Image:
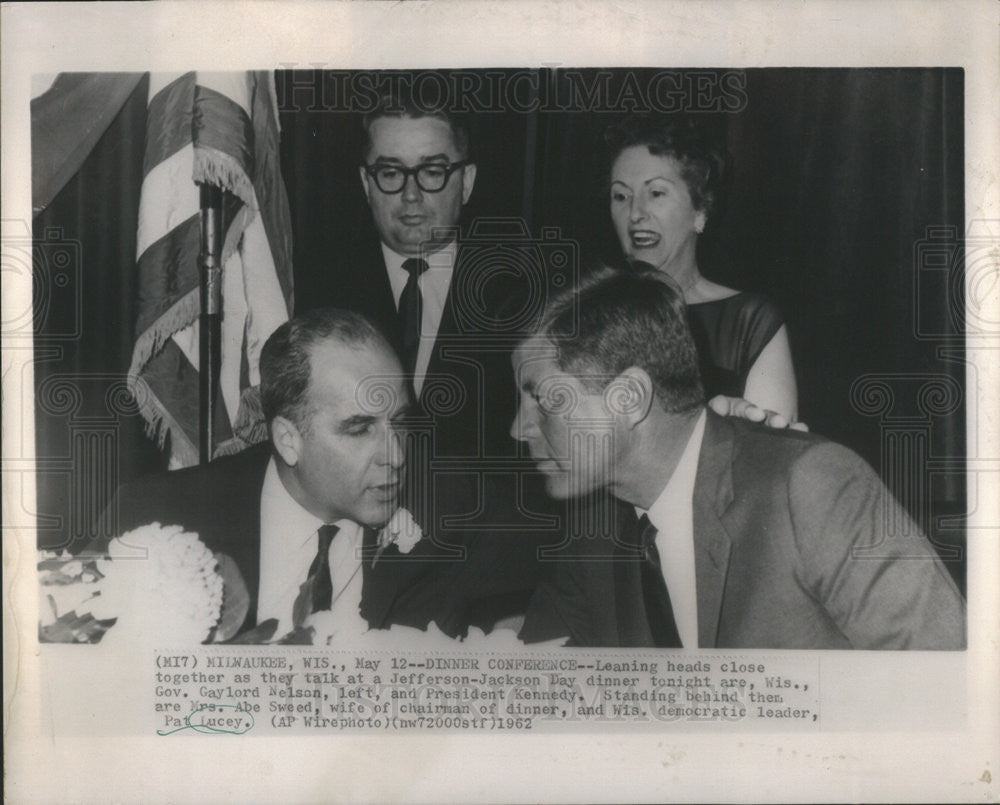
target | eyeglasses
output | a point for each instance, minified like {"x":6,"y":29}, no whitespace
{"x":431,"y":177}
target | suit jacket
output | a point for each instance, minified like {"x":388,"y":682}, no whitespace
{"x":792,"y":550}
{"x":221,"y":502}
{"x":469,"y":392}
{"x":489,"y":519}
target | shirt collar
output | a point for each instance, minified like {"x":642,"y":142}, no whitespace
{"x":441,"y":260}
{"x":282,"y":508}
{"x":678,"y":494}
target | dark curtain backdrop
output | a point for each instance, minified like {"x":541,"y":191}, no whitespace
{"x":844,"y":182}
{"x":88,"y":436}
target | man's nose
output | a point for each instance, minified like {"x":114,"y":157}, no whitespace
{"x":411,"y":190}
{"x":523,"y":427}
{"x":395,"y":454}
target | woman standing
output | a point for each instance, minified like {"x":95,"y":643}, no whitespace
{"x":665,"y":181}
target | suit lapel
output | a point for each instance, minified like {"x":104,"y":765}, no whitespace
{"x":365,"y":288}
{"x":376,"y":594}
{"x":448,"y":326}
{"x":381,"y":303}
{"x":384,"y":579}
{"x":713,"y":492}
{"x":252,"y":526}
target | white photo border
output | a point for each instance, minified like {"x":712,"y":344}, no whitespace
{"x":946,"y":765}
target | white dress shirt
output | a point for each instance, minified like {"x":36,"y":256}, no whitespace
{"x":433,"y":284}
{"x":289,"y":541}
{"x":673,"y":515}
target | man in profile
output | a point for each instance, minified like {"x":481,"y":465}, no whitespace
{"x":300,"y":513}
{"x":728,"y":534}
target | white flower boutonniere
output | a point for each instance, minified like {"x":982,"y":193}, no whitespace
{"x":402,"y":531}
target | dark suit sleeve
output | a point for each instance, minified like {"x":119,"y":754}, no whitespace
{"x":559,"y":608}
{"x":409,"y":590}
{"x":492,"y":559}
{"x":865,"y":560}
{"x":426,"y":600}
{"x":135,"y":504}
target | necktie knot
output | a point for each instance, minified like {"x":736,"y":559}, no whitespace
{"x":326,"y":535}
{"x":414,"y":266}
{"x":647,"y":538}
{"x":647,"y":531}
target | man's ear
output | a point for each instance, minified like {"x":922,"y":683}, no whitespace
{"x":630,"y":396}
{"x":468,"y":181}
{"x":364,"y":181}
{"x":287,"y":440}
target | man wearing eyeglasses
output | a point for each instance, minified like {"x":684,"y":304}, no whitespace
{"x":417,"y":177}
{"x":442,"y":306}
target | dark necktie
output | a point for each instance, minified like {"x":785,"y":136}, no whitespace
{"x":659,"y":612}
{"x":410,"y":311}
{"x":320,"y":581}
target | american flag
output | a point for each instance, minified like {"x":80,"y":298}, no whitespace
{"x":219,"y":128}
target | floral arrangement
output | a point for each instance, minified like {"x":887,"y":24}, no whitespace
{"x":162,"y":583}
{"x":157,"y":582}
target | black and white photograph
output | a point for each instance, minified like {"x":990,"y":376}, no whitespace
{"x":637,"y":395}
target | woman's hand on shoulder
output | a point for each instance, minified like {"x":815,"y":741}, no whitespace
{"x":744,"y":409}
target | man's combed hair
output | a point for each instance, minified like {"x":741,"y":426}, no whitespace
{"x":402,"y":103}
{"x":704,"y":162}
{"x":616,"y":319}
{"x":285,"y":358}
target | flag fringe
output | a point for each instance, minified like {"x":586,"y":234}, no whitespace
{"x":159,"y":421}
{"x":249,"y":428}
{"x":182,"y":313}
{"x":250,"y":425}
{"x":160,"y":424}
{"x":218,"y":168}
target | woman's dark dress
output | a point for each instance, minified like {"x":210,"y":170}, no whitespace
{"x":730,"y":334}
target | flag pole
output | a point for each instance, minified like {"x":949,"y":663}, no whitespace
{"x":210,"y":320}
